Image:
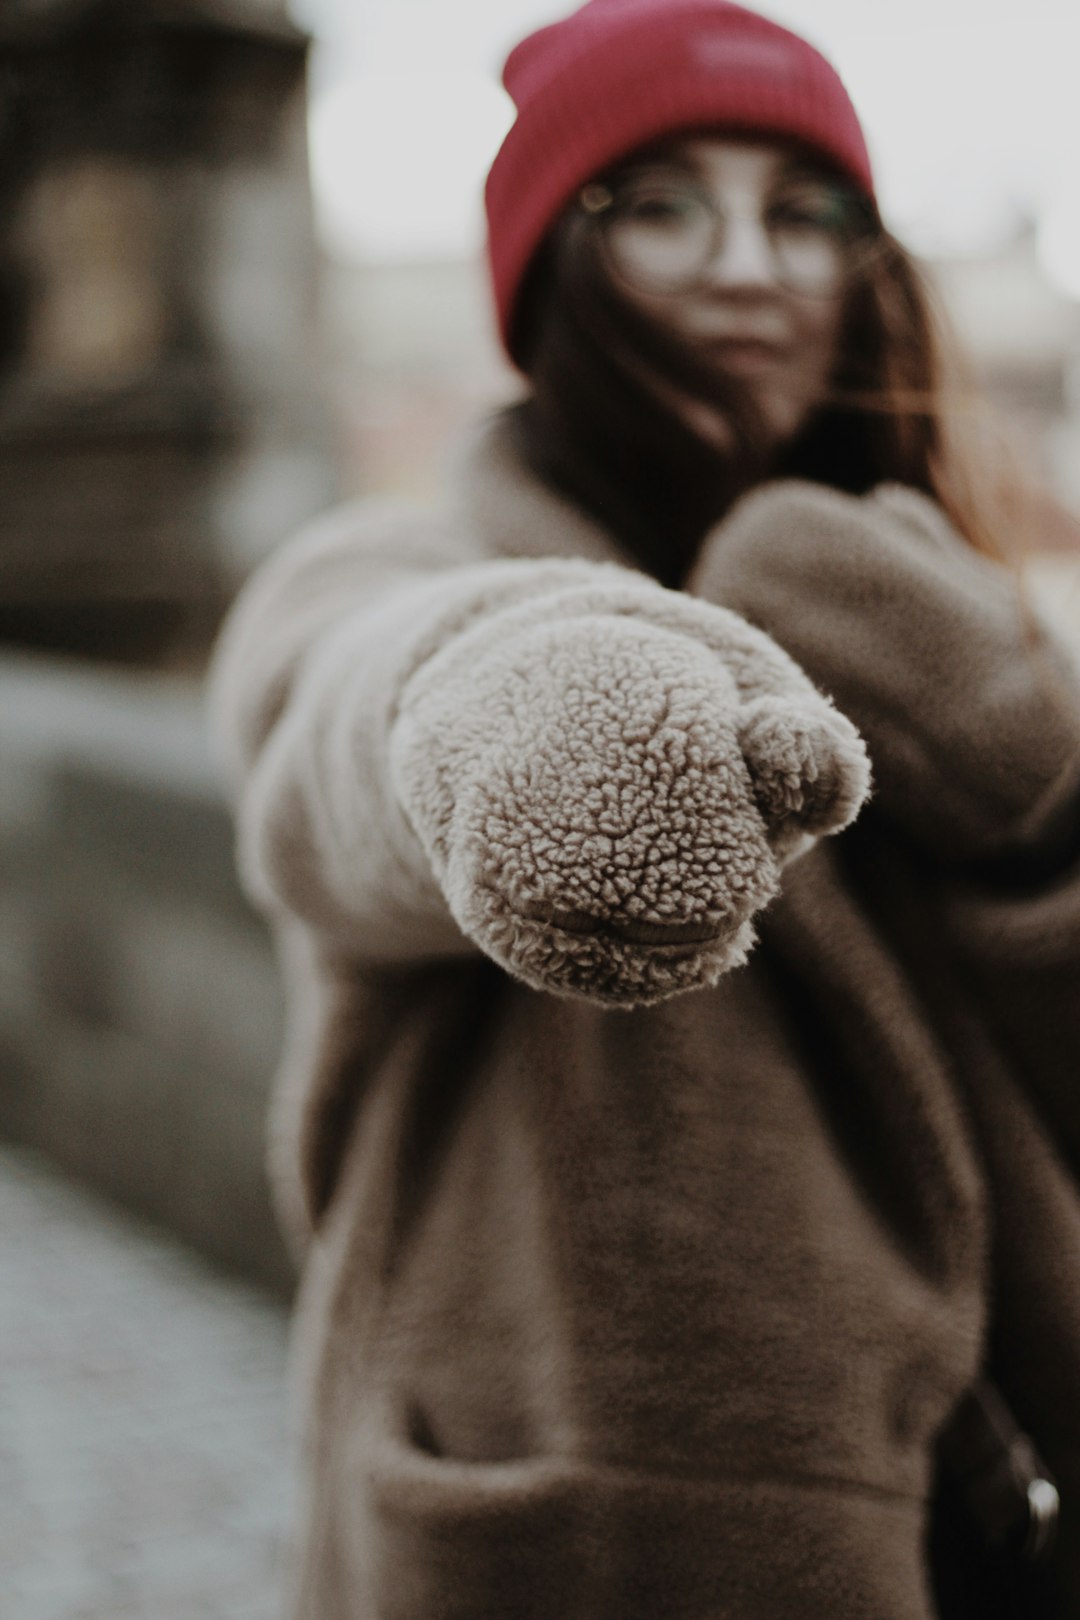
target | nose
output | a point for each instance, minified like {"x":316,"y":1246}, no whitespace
{"x":744,"y":256}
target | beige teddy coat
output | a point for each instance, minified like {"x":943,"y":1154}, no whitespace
{"x":664,"y":1168}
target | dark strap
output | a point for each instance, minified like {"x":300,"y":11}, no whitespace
{"x":1008,"y":1489}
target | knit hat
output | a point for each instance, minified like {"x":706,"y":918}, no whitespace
{"x":619,"y":73}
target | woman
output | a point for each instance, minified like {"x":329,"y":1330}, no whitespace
{"x":671,"y":1174}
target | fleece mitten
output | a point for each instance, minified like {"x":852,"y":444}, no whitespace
{"x":594,"y":780}
{"x":970,"y":710}
{"x":607,"y":778}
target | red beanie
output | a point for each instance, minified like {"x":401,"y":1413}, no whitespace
{"x":619,"y":73}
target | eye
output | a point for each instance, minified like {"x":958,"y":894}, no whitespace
{"x":813,"y":207}
{"x":658,"y":205}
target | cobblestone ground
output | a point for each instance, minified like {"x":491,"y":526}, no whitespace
{"x":143,"y":1462}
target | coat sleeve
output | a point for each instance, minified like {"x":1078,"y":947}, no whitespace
{"x":590,"y":778}
{"x":970,"y":709}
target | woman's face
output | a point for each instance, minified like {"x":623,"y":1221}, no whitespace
{"x":762,"y":309}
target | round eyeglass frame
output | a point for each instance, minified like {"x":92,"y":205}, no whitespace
{"x":598,"y":199}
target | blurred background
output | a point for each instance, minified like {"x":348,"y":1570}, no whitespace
{"x":241,"y":278}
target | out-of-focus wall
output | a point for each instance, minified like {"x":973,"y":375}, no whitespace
{"x":140,"y":1014}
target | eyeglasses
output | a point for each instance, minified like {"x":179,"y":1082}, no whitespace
{"x":662,"y":235}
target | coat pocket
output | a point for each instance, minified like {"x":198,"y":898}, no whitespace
{"x":459,"y":1540}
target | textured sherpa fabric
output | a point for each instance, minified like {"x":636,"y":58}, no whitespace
{"x":654,"y":1306}
{"x":605,"y":778}
{"x":927,"y":645}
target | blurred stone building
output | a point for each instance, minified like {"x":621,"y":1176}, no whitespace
{"x":161,"y":422}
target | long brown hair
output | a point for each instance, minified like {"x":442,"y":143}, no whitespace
{"x":902,"y":407}
{"x":926,"y":422}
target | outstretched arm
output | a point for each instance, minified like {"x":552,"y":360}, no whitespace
{"x":592,"y":779}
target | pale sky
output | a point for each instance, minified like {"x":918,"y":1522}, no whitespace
{"x":971,"y":108}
